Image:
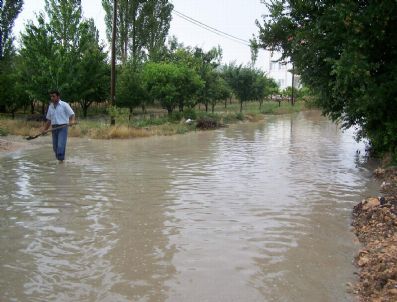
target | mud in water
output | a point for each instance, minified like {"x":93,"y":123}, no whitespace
{"x":253,"y":212}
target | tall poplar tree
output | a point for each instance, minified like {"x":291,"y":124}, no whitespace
{"x":9,"y":10}
{"x":142,"y":27}
{"x":65,"y":19}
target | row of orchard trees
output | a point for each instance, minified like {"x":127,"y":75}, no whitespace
{"x":185,"y":77}
{"x":61,"y":49}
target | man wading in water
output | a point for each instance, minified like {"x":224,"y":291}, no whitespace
{"x":61,"y":115}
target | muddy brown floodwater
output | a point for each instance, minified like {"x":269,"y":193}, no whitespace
{"x":253,"y":212}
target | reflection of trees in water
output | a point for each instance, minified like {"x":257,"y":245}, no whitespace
{"x":307,"y":256}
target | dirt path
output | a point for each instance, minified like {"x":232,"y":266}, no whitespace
{"x":375,"y":225}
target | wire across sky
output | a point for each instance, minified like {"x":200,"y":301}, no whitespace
{"x":211,"y":29}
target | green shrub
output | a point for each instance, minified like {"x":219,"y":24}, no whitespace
{"x":240,"y":116}
{"x":3,"y":132}
{"x":190,"y":113}
{"x":175,"y":116}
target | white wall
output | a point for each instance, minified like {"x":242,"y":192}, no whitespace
{"x":279,"y":71}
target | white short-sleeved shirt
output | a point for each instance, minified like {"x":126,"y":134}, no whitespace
{"x":60,"y":113}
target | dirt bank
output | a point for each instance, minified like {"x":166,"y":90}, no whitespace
{"x":375,"y":225}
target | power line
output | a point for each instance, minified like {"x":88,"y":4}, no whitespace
{"x":211,"y":29}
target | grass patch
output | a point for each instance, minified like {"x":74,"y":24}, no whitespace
{"x":19,"y":127}
{"x":155,"y":122}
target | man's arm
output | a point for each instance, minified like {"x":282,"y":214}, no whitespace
{"x":46,"y":125}
{"x":72,"y":120}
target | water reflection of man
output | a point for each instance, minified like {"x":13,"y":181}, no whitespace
{"x":59,"y":115}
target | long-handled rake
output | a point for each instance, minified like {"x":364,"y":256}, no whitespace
{"x":49,"y":130}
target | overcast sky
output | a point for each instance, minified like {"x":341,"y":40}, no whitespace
{"x":234,"y":17}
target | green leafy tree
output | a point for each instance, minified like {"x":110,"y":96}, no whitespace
{"x":64,"y":53}
{"x":38,"y":52}
{"x":205,"y":65}
{"x":242,"y":80}
{"x":170,"y":83}
{"x":9,"y":10}
{"x":189,"y":85}
{"x":157,"y":25}
{"x":65,"y":26}
{"x":131,"y":91}
{"x":142,"y":27}
{"x":201,"y":62}
{"x":12,"y":93}
{"x":93,"y":73}
{"x":345,"y":52}
{"x":219,"y":90}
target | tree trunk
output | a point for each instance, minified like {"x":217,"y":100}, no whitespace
{"x":32,"y":107}
{"x":241,"y":106}
{"x":85,"y":110}
{"x":130,"y":115}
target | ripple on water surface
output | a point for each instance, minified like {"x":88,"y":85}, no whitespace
{"x":253,"y":212}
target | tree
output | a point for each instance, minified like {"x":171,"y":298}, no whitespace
{"x":201,"y":62}
{"x":260,"y":88}
{"x":218,"y":90}
{"x":65,"y":27}
{"x":157,"y":25}
{"x":38,"y":52}
{"x":12,"y":94}
{"x":64,"y":53}
{"x":9,"y":10}
{"x":131,"y":91}
{"x":92,"y":72}
{"x":345,"y":52}
{"x":205,"y":64}
{"x":189,"y":85}
{"x":142,"y":26}
{"x":170,"y":83}
{"x":242,"y":80}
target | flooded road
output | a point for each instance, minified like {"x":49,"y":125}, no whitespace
{"x":253,"y":212}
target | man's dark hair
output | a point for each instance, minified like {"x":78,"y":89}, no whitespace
{"x":55,"y":91}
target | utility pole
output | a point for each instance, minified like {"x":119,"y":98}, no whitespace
{"x":292,"y":88}
{"x":1,"y":34}
{"x":113,"y":70}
